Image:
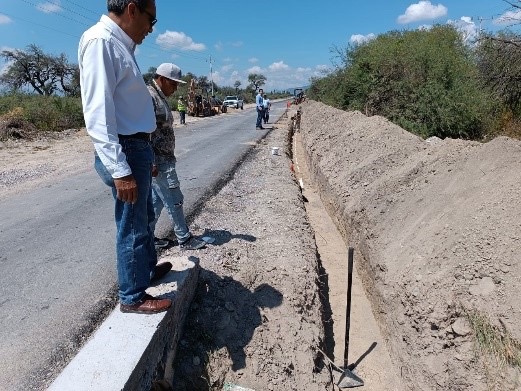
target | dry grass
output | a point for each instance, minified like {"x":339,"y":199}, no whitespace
{"x":495,"y":341}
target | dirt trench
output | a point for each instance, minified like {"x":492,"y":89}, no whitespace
{"x":437,"y":226}
{"x":271,"y":302}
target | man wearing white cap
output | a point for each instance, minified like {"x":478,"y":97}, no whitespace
{"x":166,"y":192}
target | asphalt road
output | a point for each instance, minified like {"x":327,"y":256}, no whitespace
{"x":57,"y":252}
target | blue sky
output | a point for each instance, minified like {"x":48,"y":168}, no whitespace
{"x":286,"y":41}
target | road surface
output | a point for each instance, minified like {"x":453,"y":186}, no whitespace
{"x":57,"y":252}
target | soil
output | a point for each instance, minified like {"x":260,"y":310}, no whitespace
{"x":435,"y":225}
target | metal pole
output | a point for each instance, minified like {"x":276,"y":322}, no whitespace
{"x":211,"y":72}
{"x":348,"y":308}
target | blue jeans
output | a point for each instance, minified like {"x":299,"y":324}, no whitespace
{"x":167,"y":194}
{"x":135,"y":251}
{"x":260,"y":116}
{"x":182,"y":117}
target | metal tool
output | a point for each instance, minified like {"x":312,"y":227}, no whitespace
{"x":348,"y":379}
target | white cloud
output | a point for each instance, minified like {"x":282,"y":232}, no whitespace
{"x":4,"y":19}
{"x":466,"y":27}
{"x":278,"y":66}
{"x":359,"y":39}
{"x":237,"y":44}
{"x":423,"y":10}
{"x":7,"y":64}
{"x":253,"y":60}
{"x":509,"y":18}
{"x":425,"y":27}
{"x":279,"y":76}
{"x":255,"y":69}
{"x":48,"y":7}
{"x":218,"y":46}
{"x":178,"y":40}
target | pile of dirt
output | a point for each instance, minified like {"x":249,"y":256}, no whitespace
{"x":437,"y":223}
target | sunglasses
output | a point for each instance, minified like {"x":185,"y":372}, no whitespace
{"x":151,"y":18}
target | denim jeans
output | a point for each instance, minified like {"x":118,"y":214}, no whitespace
{"x":167,"y":194}
{"x":260,"y":116}
{"x":135,"y":251}
{"x":182,"y":117}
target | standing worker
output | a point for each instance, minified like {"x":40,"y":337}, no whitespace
{"x":181,"y":107}
{"x":119,"y":118}
{"x":267,"y":105}
{"x":166,"y":192}
{"x":260,"y":109}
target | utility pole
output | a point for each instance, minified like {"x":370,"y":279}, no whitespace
{"x":211,"y":72}
{"x":481,"y":19}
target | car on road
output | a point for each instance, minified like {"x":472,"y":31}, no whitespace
{"x":233,"y":101}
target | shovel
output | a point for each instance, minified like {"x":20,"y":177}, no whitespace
{"x":348,"y":379}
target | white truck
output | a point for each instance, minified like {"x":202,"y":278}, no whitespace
{"x":233,"y":101}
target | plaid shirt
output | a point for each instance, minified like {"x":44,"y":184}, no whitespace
{"x":163,"y":139}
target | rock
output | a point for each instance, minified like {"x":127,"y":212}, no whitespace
{"x":484,"y":287}
{"x":461,"y":327}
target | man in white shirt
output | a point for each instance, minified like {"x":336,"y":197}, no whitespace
{"x":119,"y":117}
{"x":260,"y":109}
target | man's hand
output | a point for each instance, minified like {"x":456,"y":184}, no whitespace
{"x":155,"y":171}
{"x":126,"y":189}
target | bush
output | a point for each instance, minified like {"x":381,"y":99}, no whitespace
{"x":46,"y":113}
{"x":424,"y":80}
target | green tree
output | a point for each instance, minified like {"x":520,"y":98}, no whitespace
{"x":499,"y":63}
{"x":44,"y":73}
{"x":424,"y":80}
{"x":256,"y":81}
{"x":149,"y":75}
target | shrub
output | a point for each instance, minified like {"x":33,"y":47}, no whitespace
{"x":424,"y":80}
{"x":46,"y":113}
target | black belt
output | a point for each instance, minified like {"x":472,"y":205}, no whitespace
{"x":140,"y":136}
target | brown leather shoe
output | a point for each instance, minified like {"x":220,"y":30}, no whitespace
{"x":160,"y":271}
{"x":147,"y":305}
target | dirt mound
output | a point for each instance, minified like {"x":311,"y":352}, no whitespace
{"x":437,"y":223}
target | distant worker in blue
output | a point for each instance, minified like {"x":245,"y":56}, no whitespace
{"x":259,"y":102}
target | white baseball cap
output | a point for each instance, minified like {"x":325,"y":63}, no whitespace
{"x":170,"y":71}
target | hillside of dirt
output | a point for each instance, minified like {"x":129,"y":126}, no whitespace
{"x":438,"y":225}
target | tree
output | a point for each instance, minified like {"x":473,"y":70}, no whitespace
{"x":46,"y":74}
{"x":149,"y":75}
{"x":256,"y":81}
{"x":499,"y":62}
{"x":424,"y":80}
{"x":236,"y":85}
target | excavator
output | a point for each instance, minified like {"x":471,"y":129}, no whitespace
{"x":298,"y":96}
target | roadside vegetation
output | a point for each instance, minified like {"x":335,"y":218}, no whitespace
{"x":41,"y":92}
{"x":497,"y":342}
{"x":431,"y":82}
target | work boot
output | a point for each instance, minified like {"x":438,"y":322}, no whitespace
{"x":192,"y":243}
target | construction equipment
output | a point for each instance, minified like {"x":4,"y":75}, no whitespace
{"x":197,"y":104}
{"x":298,"y":96}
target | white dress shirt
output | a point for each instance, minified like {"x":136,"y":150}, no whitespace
{"x":114,"y":96}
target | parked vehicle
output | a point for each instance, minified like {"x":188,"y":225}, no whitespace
{"x":233,"y":101}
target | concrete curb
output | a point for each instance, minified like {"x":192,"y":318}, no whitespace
{"x":131,"y":351}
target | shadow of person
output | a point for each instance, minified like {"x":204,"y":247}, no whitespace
{"x":224,"y":314}
{"x":221,"y":236}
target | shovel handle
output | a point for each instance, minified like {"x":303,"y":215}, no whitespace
{"x":348,"y":308}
